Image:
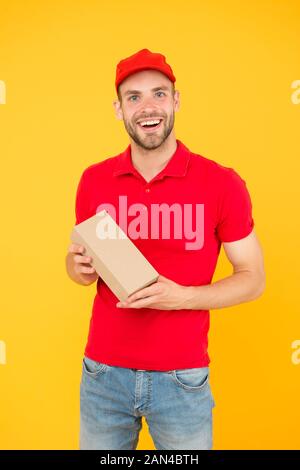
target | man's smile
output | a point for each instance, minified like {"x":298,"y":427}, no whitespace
{"x":150,"y":125}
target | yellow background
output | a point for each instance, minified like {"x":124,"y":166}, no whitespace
{"x":235,"y":62}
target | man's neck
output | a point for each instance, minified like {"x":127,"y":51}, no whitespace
{"x":151,"y":162}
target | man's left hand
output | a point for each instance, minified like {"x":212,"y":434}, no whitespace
{"x":164,"y":294}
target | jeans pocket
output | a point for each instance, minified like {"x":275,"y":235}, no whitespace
{"x":194,"y":379}
{"x":93,"y":368}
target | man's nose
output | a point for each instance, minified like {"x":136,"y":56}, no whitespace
{"x":148,"y":104}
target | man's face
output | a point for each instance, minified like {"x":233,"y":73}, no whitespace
{"x":147,"y":96}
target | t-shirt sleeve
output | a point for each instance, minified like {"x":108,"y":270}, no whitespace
{"x":81,"y":200}
{"x":235,"y":219}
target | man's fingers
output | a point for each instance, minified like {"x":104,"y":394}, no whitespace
{"x":75,"y":248}
{"x":82,"y":268}
{"x":142,"y":303}
{"x":86,"y":269}
{"x":153,"y":289}
{"x":82,"y":259}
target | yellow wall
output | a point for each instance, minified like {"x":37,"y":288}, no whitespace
{"x":235,"y":63}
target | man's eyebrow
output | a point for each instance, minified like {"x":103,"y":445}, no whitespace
{"x":137,"y":92}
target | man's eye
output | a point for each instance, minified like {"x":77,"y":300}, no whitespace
{"x":135,"y":96}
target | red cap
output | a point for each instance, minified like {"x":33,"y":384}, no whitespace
{"x":142,"y":60}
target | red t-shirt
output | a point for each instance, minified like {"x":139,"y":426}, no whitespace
{"x":212,"y":206}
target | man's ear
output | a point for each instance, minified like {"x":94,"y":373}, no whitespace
{"x":176,"y":100}
{"x":118,"y":109}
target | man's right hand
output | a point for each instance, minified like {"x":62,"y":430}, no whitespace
{"x":79,"y":267}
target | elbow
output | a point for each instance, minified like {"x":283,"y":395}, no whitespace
{"x":260,"y":286}
{"x":253,"y":284}
{"x":256,"y":285}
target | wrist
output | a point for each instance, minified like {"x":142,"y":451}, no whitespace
{"x":188,"y":297}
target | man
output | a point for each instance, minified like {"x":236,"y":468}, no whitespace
{"x":148,"y":356}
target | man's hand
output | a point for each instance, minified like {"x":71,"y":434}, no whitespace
{"x":79,"y":267}
{"x":164,"y":294}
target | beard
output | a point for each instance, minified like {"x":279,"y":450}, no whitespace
{"x":150,"y":141}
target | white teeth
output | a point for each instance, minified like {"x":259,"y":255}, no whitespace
{"x":147,"y":123}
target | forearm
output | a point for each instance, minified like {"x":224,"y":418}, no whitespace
{"x":242,"y":286}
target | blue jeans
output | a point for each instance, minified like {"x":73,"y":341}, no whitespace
{"x":177,"y":406}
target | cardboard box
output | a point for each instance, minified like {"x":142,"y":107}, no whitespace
{"x":115,"y":257}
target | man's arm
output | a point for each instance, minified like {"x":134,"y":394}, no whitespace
{"x":246,"y":283}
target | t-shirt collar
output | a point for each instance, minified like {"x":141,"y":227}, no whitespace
{"x":176,"y":166}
